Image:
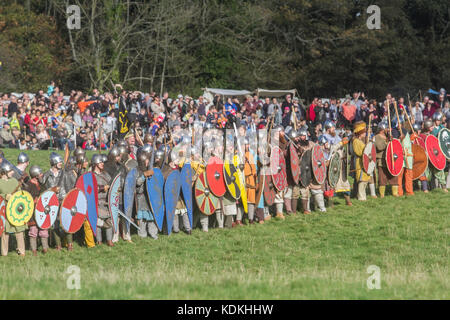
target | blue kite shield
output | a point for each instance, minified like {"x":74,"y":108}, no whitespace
{"x":88,"y":184}
{"x":186,"y":188}
{"x":155,"y":193}
{"x":171,"y":193}
{"x":114,"y":202}
{"x":129,"y":189}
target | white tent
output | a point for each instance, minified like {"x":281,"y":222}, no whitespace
{"x":227,"y":92}
{"x":275,"y":93}
{"x":209,"y":93}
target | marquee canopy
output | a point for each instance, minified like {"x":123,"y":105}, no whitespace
{"x":275,"y":93}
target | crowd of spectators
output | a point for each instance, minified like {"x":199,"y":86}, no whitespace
{"x":91,"y":120}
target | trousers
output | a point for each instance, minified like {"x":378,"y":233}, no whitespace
{"x":20,"y":239}
{"x":176,"y":222}
{"x":108,"y":231}
{"x":405,"y":176}
{"x":147,"y":228}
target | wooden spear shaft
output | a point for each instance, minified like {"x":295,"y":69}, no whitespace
{"x":400,"y":129}
{"x":407,"y":116}
{"x":390,"y":133}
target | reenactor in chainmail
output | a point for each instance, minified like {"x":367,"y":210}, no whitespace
{"x":104,"y":219}
{"x":146,"y":220}
{"x":114,"y":166}
{"x":120,"y":163}
{"x":52,"y":180}
{"x":437,"y":176}
{"x":292,"y":193}
{"x":316,"y":190}
{"x":8,"y":186}
{"x":279,"y":140}
{"x":336,"y":145}
{"x":33,"y":186}
{"x":180,"y":209}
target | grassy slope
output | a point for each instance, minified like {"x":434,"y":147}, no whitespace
{"x":321,"y":256}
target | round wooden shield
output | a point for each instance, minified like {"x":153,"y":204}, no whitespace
{"x":231,"y":179}
{"x":434,"y":152}
{"x":334,"y":170}
{"x":394,"y":157}
{"x":420,"y":161}
{"x":444,"y":142}
{"x":420,"y":141}
{"x":214,"y":176}
{"x":294,"y":163}
{"x":207,"y":202}
{"x":319,"y":167}
{"x":73,"y":211}
{"x":20,"y":208}
{"x":2,"y":215}
{"x":278,"y":168}
{"x":305,"y":168}
{"x":46,"y":210}
{"x":369,"y":158}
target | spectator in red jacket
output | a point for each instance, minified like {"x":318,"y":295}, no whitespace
{"x":429,"y":110}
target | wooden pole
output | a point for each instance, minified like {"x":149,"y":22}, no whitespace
{"x":400,"y":129}
{"x":407,"y":116}
{"x":368,"y":129}
{"x":390,"y":133}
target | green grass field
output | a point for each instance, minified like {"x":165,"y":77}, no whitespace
{"x":321,"y":256}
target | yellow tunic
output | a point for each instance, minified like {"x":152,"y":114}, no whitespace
{"x":358,"y":149}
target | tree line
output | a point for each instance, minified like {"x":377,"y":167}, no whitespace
{"x":320,"y":47}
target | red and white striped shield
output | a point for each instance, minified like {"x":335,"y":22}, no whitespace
{"x":73,"y":211}
{"x":46,"y":210}
{"x":369,"y":158}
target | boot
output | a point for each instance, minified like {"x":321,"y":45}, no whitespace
{"x":395,"y":191}
{"x":280,"y":216}
{"x":305,"y":207}
{"x":287,"y":205}
{"x":347,"y":200}
{"x":109,"y":243}
{"x":294,"y":203}
{"x":382,"y":190}
{"x":330,"y":202}
{"x":373,"y":193}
